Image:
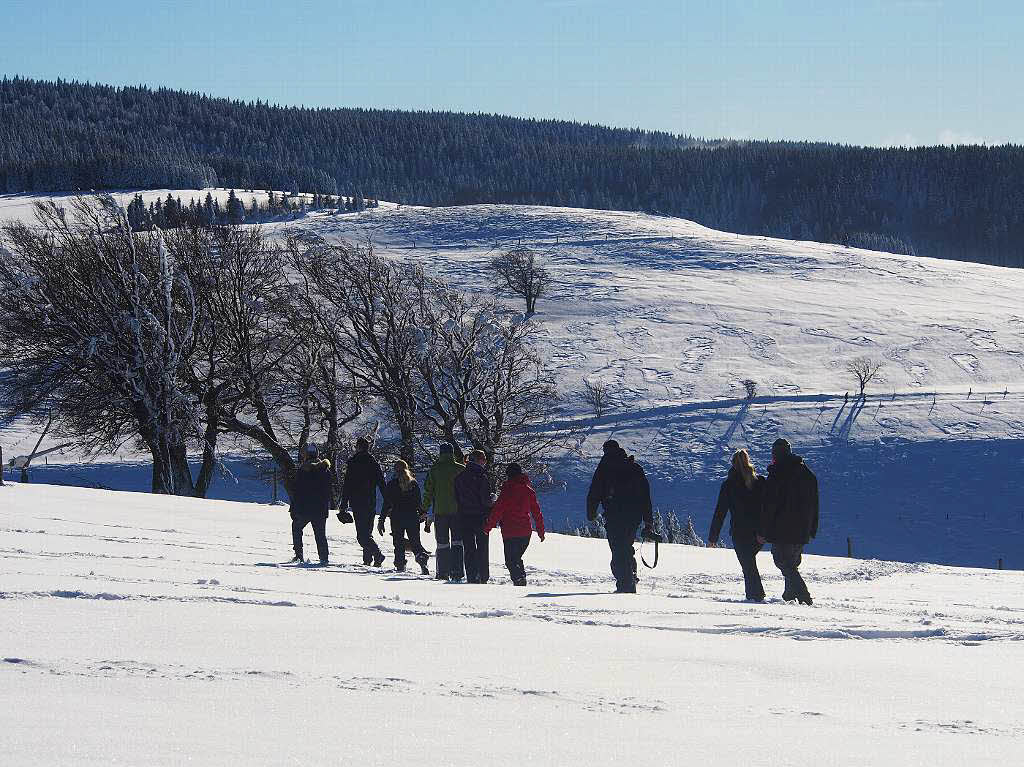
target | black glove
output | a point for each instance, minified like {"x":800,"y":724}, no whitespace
{"x":344,"y":517}
{"x":649,"y":534}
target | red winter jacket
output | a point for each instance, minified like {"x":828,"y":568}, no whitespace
{"x":513,"y":509}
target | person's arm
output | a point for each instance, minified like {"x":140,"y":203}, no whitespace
{"x":721,"y":509}
{"x":814,"y":504}
{"x":538,"y":518}
{"x":497,"y":512}
{"x":769,"y":506}
{"x":428,"y":494}
{"x":378,"y":477}
{"x":645,"y":499}
{"x":345,"y":486}
{"x":596,"y":492}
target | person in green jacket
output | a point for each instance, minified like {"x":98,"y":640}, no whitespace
{"x":439,"y":503}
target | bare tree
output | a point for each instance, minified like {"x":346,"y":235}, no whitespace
{"x":864,"y":370}
{"x":750,"y":387}
{"x":596,"y":394}
{"x":518,"y":270}
{"x":97,"y":323}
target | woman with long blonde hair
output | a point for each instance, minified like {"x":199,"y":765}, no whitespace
{"x":402,"y":504}
{"x":741,"y":497}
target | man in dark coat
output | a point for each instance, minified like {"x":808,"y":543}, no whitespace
{"x":789,"y":516}
{"x":363,"y":477}
{"x":473,"y":500}
{"x":621,"y":487}
{"x":310,"y":501}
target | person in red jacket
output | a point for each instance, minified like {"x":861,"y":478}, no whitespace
{"x":516,"y":503}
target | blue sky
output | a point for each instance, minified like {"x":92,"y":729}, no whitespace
{"x":868,"y":72}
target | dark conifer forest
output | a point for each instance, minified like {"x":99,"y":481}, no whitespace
{"x":964,"y":202}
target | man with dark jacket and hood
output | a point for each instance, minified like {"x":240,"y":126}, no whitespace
{"x":621,"y":487}
{"x":310,"y":500}
{"x":473,"y":502}
{"x":363,"y":477}
{"x":789,"y":516}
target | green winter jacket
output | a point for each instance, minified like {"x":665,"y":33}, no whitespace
{"x":439,"y":490}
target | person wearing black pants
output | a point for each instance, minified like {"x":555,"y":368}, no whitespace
{"x":741,"y":496}
{"x":787,"y":557}
{"x":514,"y":550}
{"x":402,"y":503}
{"x":310,"y":500}
{"x":363,"y":477}
{"x":473,"y":501}
{"x":621,"y":487}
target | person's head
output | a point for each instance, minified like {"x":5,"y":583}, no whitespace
{"x":478,"y":457}
{"x":781,"y":449}
{"x":744,"y":466}
{"x":611,"y":446}
{"x":310,"y":452}
{"x":513,"y":470}
{"x":362,"y":445}
{"x":446,"y":448}
{"x":403,"y":474}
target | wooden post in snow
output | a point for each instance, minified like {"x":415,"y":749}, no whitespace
{"x":999,"y":564}
{"x":849,"y":547}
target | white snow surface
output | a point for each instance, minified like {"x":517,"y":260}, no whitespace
{"x":673,"y":316}
{"x":150,"y":630}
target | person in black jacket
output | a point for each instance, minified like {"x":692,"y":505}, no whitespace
{"x":740,"y":497}
{"x":789,"y":516}
{"x":473,"y":501}
{"x":363,"y":477}
{"x":621,"y":487}
{"x":310,"y":501}
{"x":402,"y":503}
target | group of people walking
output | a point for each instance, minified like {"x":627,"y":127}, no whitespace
{"x":458,"y":504}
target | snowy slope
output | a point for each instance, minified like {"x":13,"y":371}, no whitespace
{"x":674,"y":316}
{"x":138,"y":629}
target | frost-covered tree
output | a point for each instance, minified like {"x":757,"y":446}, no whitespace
{"x":519,"y":271}
{"x":98,"y":323}
{"x":864,"y":370}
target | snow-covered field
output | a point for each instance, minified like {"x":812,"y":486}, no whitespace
{"x":674,"y":316}
{"x":146,"y":630}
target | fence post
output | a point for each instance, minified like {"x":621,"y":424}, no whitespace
{"x":849,"y":547}
{"x":274,"y":474}
{"x":999,"y":564}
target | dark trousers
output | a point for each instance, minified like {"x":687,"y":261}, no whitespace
{"x":476,"y":548}
{"x":514,"y":550}
{"x":621,"y":537}
{"x":746,"y":553}
{"x":405,"y":532}
{"x":319,"y":532}
{"x":450,"y":560}
{"x":364,"y":533}
{"x":787,"y":558}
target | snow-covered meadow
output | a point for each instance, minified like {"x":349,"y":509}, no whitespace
{"x":139,"y":629}
{"x":674,"y":316}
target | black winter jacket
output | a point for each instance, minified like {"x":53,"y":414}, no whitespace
{"x":790,"y":510}
{"x":473,"y":491}
{"x":399,"y":504}
{"x":743,"y":504}
{"x":362,"y":478}
{"x":621,"y":487}
{"x":311,"y":490}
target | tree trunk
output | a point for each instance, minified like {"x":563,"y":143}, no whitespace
{"x":171,"y":472}
{"x":209,"y":447}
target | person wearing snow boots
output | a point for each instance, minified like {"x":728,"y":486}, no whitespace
{"x":439,"y":502}
{"x":310,"y":500}
{"x":402,"y":504}
{"x":516,"y":504}
{"x":363,"y":477}
{"x":621,"y":487}
{"x":789,"y":516}
{"x":740,"y":497}
{"x":473,"y":501}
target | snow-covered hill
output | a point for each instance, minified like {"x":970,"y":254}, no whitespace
{"x":674,"y":316}
{"x":139,"y":629}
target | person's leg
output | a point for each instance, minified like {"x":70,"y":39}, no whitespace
{"x":800,"y":587}
{"x":364,"y":534}
{"x":457,"y":568}
{"x":787,"y":559}
{"x":298,"y":524}
{"x":467,"y":528}
{"x":398,"y":536}
{"x":320,"y":533}
{"x":442,"y":539}
{"x":621,"y":537}
{"x":746,"y":553}
{"x":483,"y":552}
{"x":514,"y":550}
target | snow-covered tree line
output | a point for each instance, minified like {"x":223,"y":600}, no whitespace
{"x":189,"y":341}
